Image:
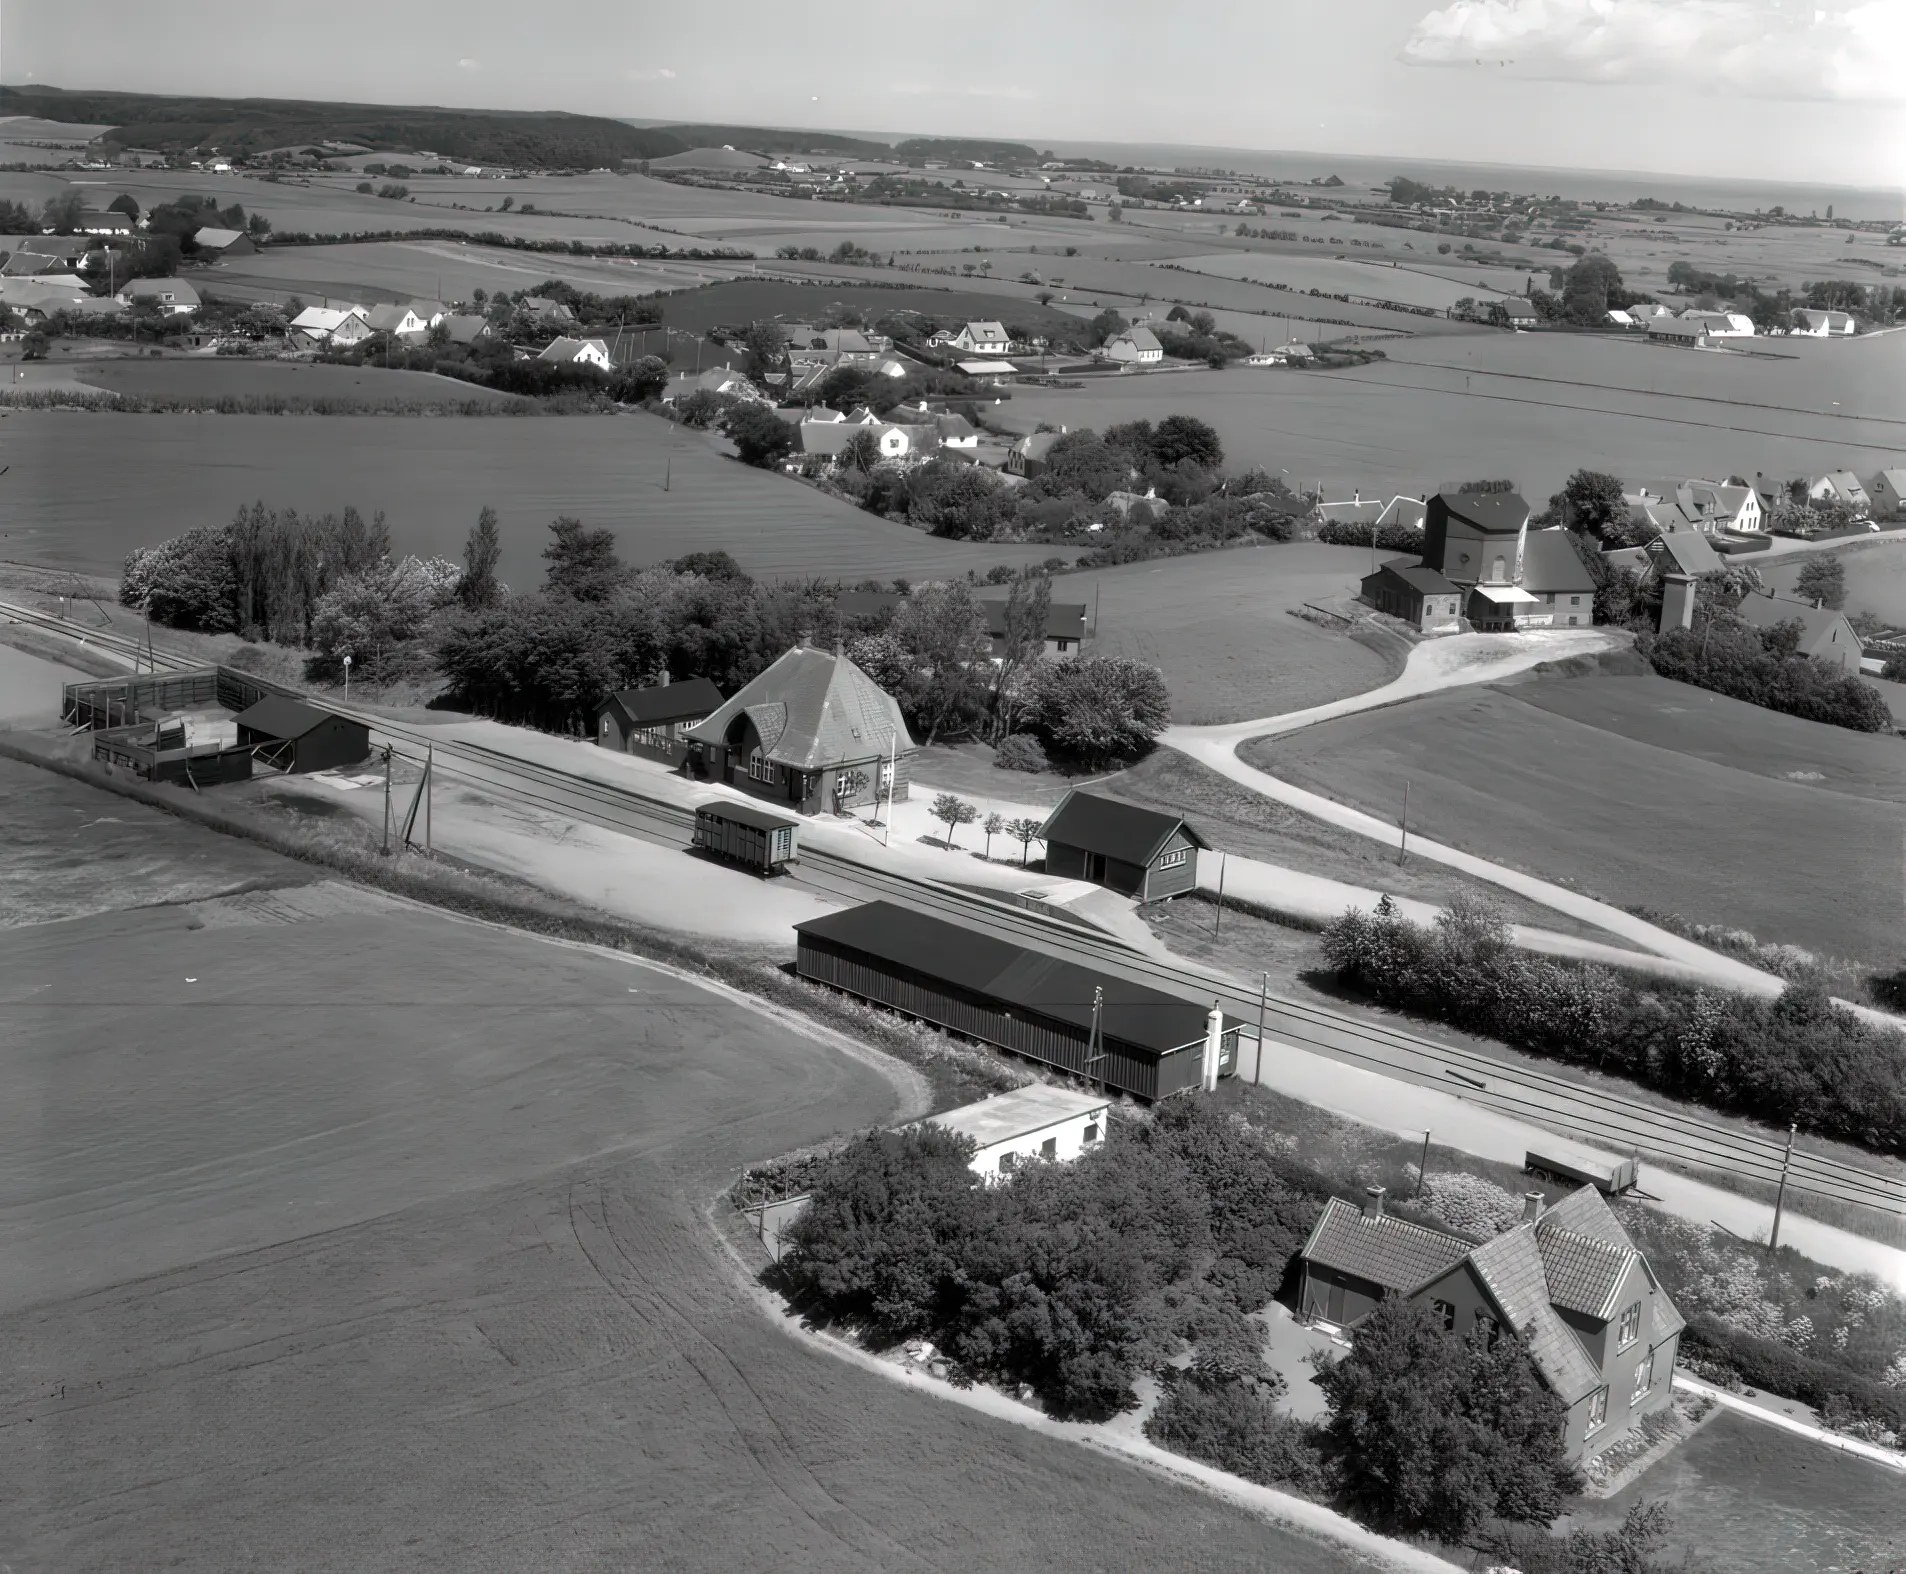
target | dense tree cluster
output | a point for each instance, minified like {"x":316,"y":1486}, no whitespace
{"x":1795,"y":1058}
{"x":1766,"y":667}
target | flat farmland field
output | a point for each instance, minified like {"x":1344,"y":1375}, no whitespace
{"x":1875,"y":577}
{"x":88,"y":488}
{"x":1499,"y":774}
{"x":228,"y":376}
{"x":334,"y":1225}
{"x":1218,"y":626}
{"x":1524,"y":406}
{"x":1346,"y":276}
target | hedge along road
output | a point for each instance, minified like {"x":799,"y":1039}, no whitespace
{"x":1526,"y":1093}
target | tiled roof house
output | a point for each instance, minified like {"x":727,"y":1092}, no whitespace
{"x":1568,"y":1281}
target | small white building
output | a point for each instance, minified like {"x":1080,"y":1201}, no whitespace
{"x":1722,"y":325}
{"x":1035,"y":1122}
{"x":1822,"y":324}
{"x":317,"y":325}
{"x":1888,"y":492}
{"x":400,"y":322}
{"x":989,"y":338}
{"x":1135,"y":347}
{"x":1840,"y":486}
{"x":578,"y":352}
{"x":175,"y":297}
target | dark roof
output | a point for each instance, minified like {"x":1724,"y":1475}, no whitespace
{"x":282,"y":717}
{"x":813,"y":708}
{"x":1118,"y":830}
{"x":1500,"y":513}
{"x":1417,"y":575}
{"x":1512,"y":1271}
{"x":1583,"y":1273}
{"x":1550,"y":564}
{"x":1064,"y":619}
{"x":745,"y":814}
{"x":1390,"y":1252}
{"x":1135,"y":1014}
{"x":691,"y":698}
{"x":1817,"y":624}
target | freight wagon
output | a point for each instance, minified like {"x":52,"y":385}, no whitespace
{"x":740,"y":833}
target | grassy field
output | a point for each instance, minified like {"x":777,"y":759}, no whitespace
{"x":324,"y":1200}
{"x":1219,"y":626}
{"x":1348,"y":275}
{"x":1875,"y":578}
{"x":226,"y":376}
{"x":1746,"y":1496}
{"x":1497,"y":773}
{"x":86,"y":489}
{"x":1532,"y":408}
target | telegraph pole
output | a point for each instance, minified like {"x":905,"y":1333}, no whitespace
{"x":1263,"y":999}
{"x":386,"y":847}
{"x":1780,"y":1196}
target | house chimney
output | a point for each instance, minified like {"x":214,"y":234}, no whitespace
{"x":1213,"y":1046}
{"x":1677,"y":602}
{"x":1531,"y":1206}
{"x":1373,"y":1202}
{"x":662,"y":683}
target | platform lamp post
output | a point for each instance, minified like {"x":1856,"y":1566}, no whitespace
{"x":347,"y":677}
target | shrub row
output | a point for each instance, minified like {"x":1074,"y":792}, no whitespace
{"x":1766,"y":667}
{"x":1769,"y":1364}
{"x":1799,"y":1057}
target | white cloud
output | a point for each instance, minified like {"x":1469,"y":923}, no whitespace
{"x":467,"y":64}
{"x":650,"y":74}
{"x":1763,"y":48}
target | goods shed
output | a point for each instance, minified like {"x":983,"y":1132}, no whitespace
{"x":294,"y":736}
{"x":1150,"y":1044}
{"x":1137,"y":852}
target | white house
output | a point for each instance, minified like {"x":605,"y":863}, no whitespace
{"x":103,"y":224}
{"x":317,"y":325}
{"x":1840,"y":486}
{"x":1707,"y":506}
{"x":175,"y":297}
{"x":989,"y":338}
{"x":1266,"y":358}
{"x":1722,"y":325}
{"x":400,"y":322}
{"x":1620,"y":319}
{"x":578,"y":352}
{"x":1888,"y":492}
{"x":1134,"y":347}
{"x":1821,"y":325}
{"x":1028,"y":1124}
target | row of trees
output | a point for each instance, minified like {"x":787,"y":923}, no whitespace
{"x":1795,"y":1058}
{"x":1765,"y":666}
{"x":1074,"y":1279}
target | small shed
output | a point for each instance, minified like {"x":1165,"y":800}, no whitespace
{"x":1137,"y":852}
{"x":1409,"y":589}
{"x":652,"y":721}
{"x":739,"y":832}
{"x":298,"y":737}
{"x":1034,"y":1122}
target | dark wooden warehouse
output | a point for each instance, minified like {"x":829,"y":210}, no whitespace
{"x":1028,"y":1001}
{"x":1135,"y":851}
{"x":300,"y":737}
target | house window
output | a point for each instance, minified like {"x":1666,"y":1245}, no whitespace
{"x":1445,"y":1312}
{"x":1499,"y":569}
{"x":1574,"y":601}
{"x":1630,"y":1327}
{"x":762,"y":769}
{"x":1008,"y":1162}
{"x":1064,"y":645}
{"x":1598,"y":1409}
{"x":1174,"y":859}
{"x":1488,"y":1327}
{"x":1091,"y":1133}
{"x":1049,"y":1149}
{"x":1645,"y":1376}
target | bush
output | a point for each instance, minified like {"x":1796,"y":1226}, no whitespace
{"x":1393,"y":537}
{"x":1236,"y":1426}
{"x":1763,"y":667}
{"x":380,"y":616}
{"x":188,"y":581}
{"x":761,"y":437}
{"x":1020,"y":752}
{"x":1798,"y":1057}
{"x":1719,"y":1348}
{"x":1099,"y":710}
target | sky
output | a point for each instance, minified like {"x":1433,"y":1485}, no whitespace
{"x":1792,"y":90}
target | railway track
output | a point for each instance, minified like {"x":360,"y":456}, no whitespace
{"x":1596,"y":1115}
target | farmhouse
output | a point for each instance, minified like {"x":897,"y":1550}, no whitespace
{"x":1721,"y":325}
{"x":174,"y":297}
{"x":1824,"y":633}
{"x":1680,"y":331}
{"x":115,"y":224}
{"x":1407,"y":588}
{"x":211,"y":241}
{"x":1709,"y":506}
{"x":1137,"y":852}
{"x":295,"y":736}
{"x":654,"y":721}
{"x":1840,"y":486}
{"x":1520,"y":312}
{"x":988,"y":338}
{"x":813,"y":732}
{"x":1027,"y":457}
{"x":1038,"y":1121}
{"x":578,"y":352}
{"x":39,"y":298}
{"x":1822,"y":324}
{"x":545,"y":311}
{"x":1600,"y":1328}
{"x":1888,"y":492}
{"x":1513,"y":577}
{"x":317,"y":325}
{"x":466,"y":327}
{"x":1098,"y":1026}
{"x":400,"y":322}
{"x":1135,"y":347}
{"x":1065,"y":627}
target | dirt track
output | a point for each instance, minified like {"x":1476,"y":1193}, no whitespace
{"x":342,"y":1236}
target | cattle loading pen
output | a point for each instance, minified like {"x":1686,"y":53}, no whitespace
{"x":1098,"y":1026}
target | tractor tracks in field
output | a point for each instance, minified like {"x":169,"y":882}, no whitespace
{"x":773,"y":1452}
